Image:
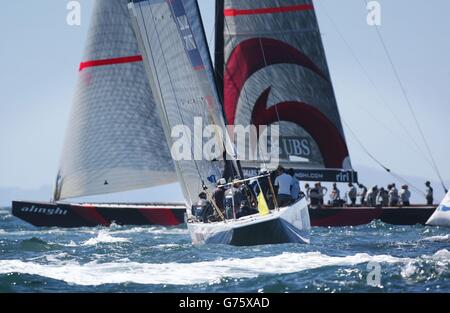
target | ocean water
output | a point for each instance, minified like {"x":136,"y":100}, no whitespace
{"x":371,"y":258}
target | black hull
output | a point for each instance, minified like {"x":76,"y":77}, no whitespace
{"x":81,"y":215}
{"x":267,"y":233}
{"x":338,"y":217}
{"x":288,"y":225}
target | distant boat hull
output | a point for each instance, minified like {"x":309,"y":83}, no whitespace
{"x":288,"y":225}
{"x":83,"y":215}
{"x":43,"y":214}
{"x":338,"y":216}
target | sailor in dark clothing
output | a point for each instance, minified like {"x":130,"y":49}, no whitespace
{"x":352,"y":194}
{"x":219,"y":195}
{"x":245,"y":209}
{"x":248,"y":194}
{"x":314,"y":195}
{"x":233,"y":199}
{"x":429,"y":193}
{"x":202,"y":209}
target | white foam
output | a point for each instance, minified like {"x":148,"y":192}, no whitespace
{"x":442,"y":256}
{"x":34,"y":233}
{"x":408,"y":270}
{"x":104,"y":237}
{"x":168,"y":245}
{"x":152,"y":230}
{"x":437,"y":238}
{"x":94,"y":274}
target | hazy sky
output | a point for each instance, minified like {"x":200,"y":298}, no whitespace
{"x":40,"y":54}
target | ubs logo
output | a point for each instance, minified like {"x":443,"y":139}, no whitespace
{"x":44,"y":211}
{"x":294,"y":146}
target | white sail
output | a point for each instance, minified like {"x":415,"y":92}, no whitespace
{"x":114,"y":140}
{"x":441,"y":217}
{"x":181,"y":74}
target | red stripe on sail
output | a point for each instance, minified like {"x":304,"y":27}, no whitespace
{"x":252,"y":55}
{"x":104,"y":62}
{"x":236,"y":12}
{"x":331,"y":143}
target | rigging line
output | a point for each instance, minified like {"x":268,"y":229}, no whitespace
{"x":410,"y":106}
{"x":378,"y":92}
{"x":364,"y":148}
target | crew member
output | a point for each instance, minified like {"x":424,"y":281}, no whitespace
{"x":383,"y":197}
{"x":352,"y":193}
{"x":233,"y":200}
{"x":284,"y":184}
{"x":314,"y":195}
{"x":371,"y":197}
{"x":219,"y":194}
{"x":405,"y":195}
{"x":335,"y":195}
{"x":322,"y":192}
{"x":295,"y":186}
{"x":202,"y":209}
{"x":429,"y":193}
{"x":393,"y":196}
{"x":362,"y":194}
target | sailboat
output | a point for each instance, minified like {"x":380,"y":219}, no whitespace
{"x":113,"y":140}
{"x":270,"y":68}
{"x":181,"y":74}
{"x":441,"y":217}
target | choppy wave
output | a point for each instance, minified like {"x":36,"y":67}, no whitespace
{"x":104,"y":237}
{"x":438,"y":262}
{"x":45,"y":231}
{"x":159,"y":230}
{"x":94,"y":274}
{"x":442,"y":238}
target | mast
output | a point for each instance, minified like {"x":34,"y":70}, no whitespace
{"x":219,"y":60}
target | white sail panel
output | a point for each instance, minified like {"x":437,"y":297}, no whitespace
{"x":441,"y":217}
{"x":271,"y":60}
{"x":114,"y":140}
{"x":180,"y":72}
